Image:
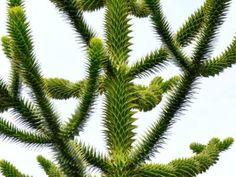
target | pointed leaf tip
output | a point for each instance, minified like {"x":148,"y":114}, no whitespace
{"x":226,"y":143}
{"x":14,"y":11}
{"x":5,"y":39}
{"x":95,"y":42}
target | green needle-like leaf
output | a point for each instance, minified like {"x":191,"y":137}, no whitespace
{"x":14,"y":3}
{"x":146,"y":98}
{"x":149,"y":97}
{"x":197,"y":148}
{"x":6,"y":45}
{"x":15,"y":86}
{"x":170,"y":84}
{"x":26,"y":113}
{"x":71,"y":162}
{"x":24,"y":110}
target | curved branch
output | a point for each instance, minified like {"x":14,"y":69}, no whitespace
{"x":188,"y":167}
{"x":156,"y":133}
{"x":82,"y":112}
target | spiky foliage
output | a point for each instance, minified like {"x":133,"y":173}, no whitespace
{"x":109,"y":74}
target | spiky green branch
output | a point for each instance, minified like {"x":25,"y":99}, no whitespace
{"x":75,"y":18}
{"x":110,"y":76}
{"x":188,"y":166}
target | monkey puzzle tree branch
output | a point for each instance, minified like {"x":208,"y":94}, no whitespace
{"x":50,"y":168}
{"x":118,"y":119}
{"x":15,"y":86}
{"x":58,"y":88}
{"x":19,"y":32}
{"x":155,"y":136}
{"x":92,"y":157}
{"x":148,"y":97}
{"x":75,"y":18}
{"x":150,"y":64}
{"x":72,"y":164}
{"x":24,"y":110}
{"x":82,"y":112}
{"x":216,"y":11}
{"x":9,"y":170}
{"x":11,"y":132}
{"x":110,"y":76}
{"x":162,"y":28}
{"x":90,"y":5}
{"x":188,"y":166}
{"x":117,"y":31}
{"x":191,"y":27}
{"x":217,"y":65}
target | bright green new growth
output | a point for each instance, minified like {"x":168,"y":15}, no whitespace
{"x":109,"y":74}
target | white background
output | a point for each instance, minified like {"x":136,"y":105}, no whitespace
{"x":211,"y":114}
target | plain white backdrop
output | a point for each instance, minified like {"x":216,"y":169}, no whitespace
{"x":212,"y":112}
